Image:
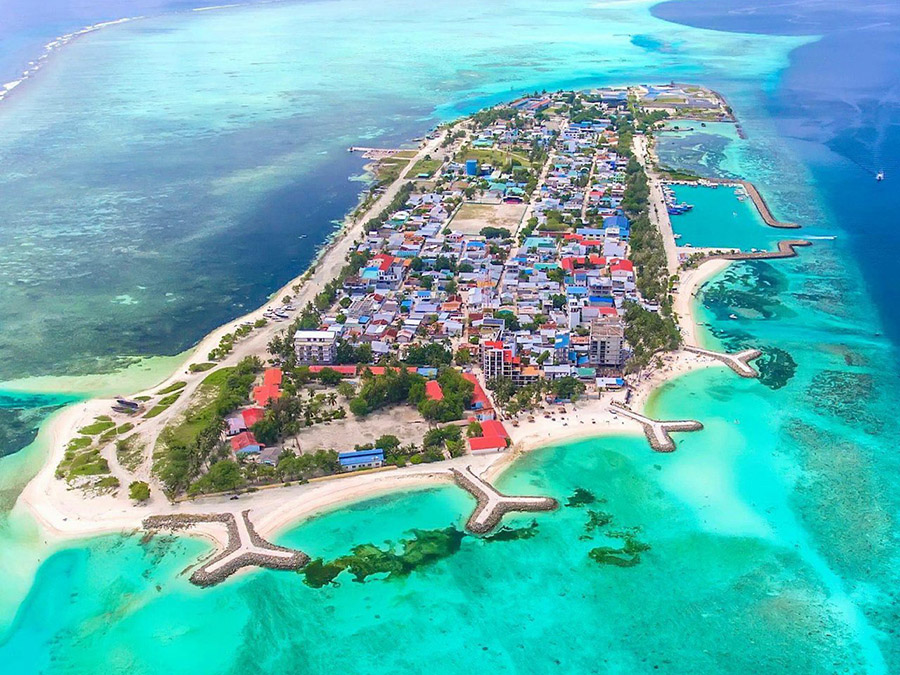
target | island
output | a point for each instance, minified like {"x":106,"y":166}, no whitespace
{"x":511,"y":282}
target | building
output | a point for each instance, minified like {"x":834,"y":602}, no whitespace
{"x":471,"y":167}
{"x":245,"y":443}
{"x":314,"y":346}
{"x":361,"y":459}
{"x":607,"y":347}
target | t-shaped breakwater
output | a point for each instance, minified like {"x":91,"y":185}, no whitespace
{"x":657,"y":431}
{"x":739,"y":362}
{"x":245,"y":547}
{"x":493,"y":505}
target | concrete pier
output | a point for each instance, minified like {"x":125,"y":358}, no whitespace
{"x":657,"y":431}
{"x":738,"y":362}
{"x":492,"y":505}
{"x":787,"y":248}
{"x":245,"y":547}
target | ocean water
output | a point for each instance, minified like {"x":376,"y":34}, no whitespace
{"x":772,"y":533}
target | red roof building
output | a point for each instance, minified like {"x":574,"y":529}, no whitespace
{"x":265,"y":393}
{"x":493,"y":428}
{"x":433,"y":391}
{"x":347,"y":371}
{"x":245,"y":442}
{"x":272,"y":376}
{"x":487,"y":444}
{"x":252,"y":416}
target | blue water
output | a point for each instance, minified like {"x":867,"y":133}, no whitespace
{"x":773,"y":533}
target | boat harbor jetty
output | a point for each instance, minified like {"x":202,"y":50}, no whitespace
{"x":657,"y":431}
{"x":739,"y":362}
{"x":245,"y":547}
{"x":493,"y":505}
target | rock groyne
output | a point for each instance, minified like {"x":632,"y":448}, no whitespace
{"x":739,"y":362}
{"x":657,"y":431}
{"x":492,"y":504}
{"x":245,"y":547}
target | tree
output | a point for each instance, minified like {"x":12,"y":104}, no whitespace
{"x":224,"y":475}
{"x":139,"y":491}
{"x":474,"y":429}
{"x":329,"y":377}
{"x":463,"y":357}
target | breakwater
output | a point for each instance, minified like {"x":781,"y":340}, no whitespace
{"x":787,"y":248}
{"x":738,"y":362}
{"x":492,"y":504}
{"x":657,"y":431}
{"x":245,"y":548}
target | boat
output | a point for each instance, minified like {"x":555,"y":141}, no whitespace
{"x":732,"y":316}
{"x":879,"y":176}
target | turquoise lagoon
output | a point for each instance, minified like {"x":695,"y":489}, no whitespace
{"x":720,"y":219}
{"x":772,"y":533}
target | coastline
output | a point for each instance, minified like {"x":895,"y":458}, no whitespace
{"x":65,"y":513}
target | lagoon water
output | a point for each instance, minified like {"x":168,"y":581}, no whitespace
{"x":720,"y":219}
{"x":772,"y":533}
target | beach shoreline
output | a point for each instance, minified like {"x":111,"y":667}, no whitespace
{"x":65,"y":513}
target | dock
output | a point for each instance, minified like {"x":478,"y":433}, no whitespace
{"x":657,"y":431}
{"x":739,"y":362}
{"x":375,"y":153}
{"x":493,"y":505}
{"x":245,"y":547}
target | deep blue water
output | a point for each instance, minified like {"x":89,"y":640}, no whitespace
{"x":839,"y":103}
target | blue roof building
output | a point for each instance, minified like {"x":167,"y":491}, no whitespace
{"x":361,"y":459}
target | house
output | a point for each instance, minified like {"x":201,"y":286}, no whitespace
{"x":245,"y":443}
{"x":433,"y":391}
{"x":361,"y":459}
{"x":251,"y":416}
{"x":235,"y":424}
{"x":482,"y":445}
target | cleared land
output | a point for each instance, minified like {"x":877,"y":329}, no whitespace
{"x":471,"y":217}
{"x":401,"y":421}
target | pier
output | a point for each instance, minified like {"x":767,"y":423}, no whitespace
{"x":493,"y":505}
{"x":658,"y":432}
{"x":787,"y":248}
{"x":245,"y":547}
{"x":738,"y":362}
{"x":374,"y":153}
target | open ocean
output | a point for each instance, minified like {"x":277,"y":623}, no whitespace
{"x":162,"y":176}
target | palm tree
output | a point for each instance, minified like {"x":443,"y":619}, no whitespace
{"x":332,"y":398}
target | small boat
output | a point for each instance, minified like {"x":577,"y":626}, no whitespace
{"x":879,"y":176}
{"x":732,"y":316}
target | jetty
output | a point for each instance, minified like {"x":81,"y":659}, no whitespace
{"x":758,"y":201}
{"x":787,"y":248}
{"x":245,"y":547}
{"x":657,"y":431}
{"x":739,"y":362}
{"x":374,"y":153}
{"x":493,"y":505}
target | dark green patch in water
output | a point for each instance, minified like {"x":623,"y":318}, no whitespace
{"x":507,"y":533}
{"x":424,"y":548}
{"x":748,"y":290}
{"x":582,"y":497}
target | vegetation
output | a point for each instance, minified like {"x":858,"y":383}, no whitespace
{"x":432,"y":354}
{"x":397,"y":385}
{"x":425,"y":166}
{"x":162,"y":405}
{"x":139,"y":491}
{"x":97,"y":427}
{"x":194,"y":444}
{"x":648,"y":333}
{"x":515,"y":399}
{"x":201,"y":367}
{"x":175,"y":386}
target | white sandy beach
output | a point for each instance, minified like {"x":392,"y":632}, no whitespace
{"x":66,"y":513}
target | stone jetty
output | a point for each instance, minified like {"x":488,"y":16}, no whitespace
{"x":492,"y":505}
{"x":787,"y":248}
{"x":739,"y":362}
{"x":245,"y":547}
{"x":657,"y":431}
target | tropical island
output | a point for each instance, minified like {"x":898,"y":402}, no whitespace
{"x":512,"y":282}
